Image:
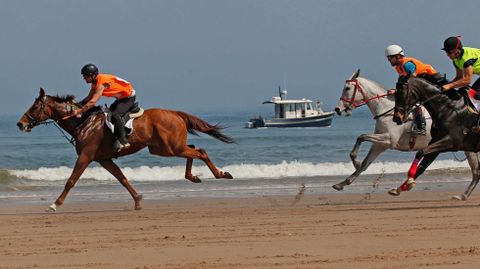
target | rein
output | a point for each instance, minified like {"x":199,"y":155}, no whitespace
{"x":384,"y":113}
{"x":422,"y":103}
{"x":70,"y":140}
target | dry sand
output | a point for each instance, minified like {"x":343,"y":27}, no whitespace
{"x":422,"y":229}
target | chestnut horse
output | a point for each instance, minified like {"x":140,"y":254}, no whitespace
{"x":164,"y":132}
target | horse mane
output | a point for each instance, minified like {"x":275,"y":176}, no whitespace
{"x":428,"y":83}
{"x":64,"y":98}
{"x":374,"y":83}
{"x":452,"y":99}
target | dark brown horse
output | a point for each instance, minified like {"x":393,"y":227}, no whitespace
{"x":164,"y":132}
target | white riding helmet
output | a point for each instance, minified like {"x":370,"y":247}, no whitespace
{"x":393,"y":50}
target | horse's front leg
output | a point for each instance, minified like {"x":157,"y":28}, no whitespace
{"x":80,"y":166}
{"x":111,"y":167}
{"x":383,"y":139}
{"x":373,"y":153}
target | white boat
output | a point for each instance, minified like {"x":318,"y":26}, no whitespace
{"x":293,"y":113}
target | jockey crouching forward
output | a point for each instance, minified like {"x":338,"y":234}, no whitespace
{"x":109,"y":86}
{"x":406,"y":66}
{"x":466,"y":63}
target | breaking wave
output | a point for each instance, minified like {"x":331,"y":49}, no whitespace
{"x":239,"y":171}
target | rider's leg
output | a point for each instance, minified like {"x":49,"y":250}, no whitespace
{"x":118,"y":109}
{"x":419,"y":123}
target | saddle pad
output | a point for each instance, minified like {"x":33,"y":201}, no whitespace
{"x":128,"y":124}
{"x":475,"y":102}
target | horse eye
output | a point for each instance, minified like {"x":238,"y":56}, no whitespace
{"x":346,"y":88}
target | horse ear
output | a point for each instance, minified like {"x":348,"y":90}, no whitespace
{"x":355,"y":75}
{"x":42,"y":92}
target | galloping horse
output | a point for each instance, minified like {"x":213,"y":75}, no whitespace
{"x":164,"y":132}
{"x":360,"y":91}
{"x":453,"y":119}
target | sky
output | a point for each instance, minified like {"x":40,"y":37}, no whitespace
{"x":219,"y":55}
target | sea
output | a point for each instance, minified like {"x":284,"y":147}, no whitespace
{"x":264,"y":162}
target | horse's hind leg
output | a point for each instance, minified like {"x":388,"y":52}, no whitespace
{"x":418,"y":166}
{"x":473,"y":161}
{"x":111,"y":167}
{"x":188,"y":169}
{"x":383,"y":139}
{"x":193,"y":153}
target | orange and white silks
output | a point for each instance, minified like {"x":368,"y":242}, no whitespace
{"x":114,"y":86}
{"x":421,"y":68}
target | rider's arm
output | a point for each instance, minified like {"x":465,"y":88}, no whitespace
{"x":410,"y":68}
{"x":88,"y":97}
{"x":95,"y":94}
{"x":90,"y":101}
{"x":462,"y":79}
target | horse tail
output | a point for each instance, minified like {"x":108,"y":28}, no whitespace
{"x":196,"y":124}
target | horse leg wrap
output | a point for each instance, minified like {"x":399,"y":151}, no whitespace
{"x":410,"y":182}
{"x":413,"y":168}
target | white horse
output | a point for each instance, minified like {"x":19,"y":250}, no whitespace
{"x":360,"y":91}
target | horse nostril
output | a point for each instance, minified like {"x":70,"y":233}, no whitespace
{"x":337,"y":109}
{"x":20,"y":125}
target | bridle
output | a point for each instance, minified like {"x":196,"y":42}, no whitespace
{"x":32,"y":121}
{"x":358,"y":89}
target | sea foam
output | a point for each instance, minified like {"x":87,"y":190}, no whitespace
{"x":239,"y":171}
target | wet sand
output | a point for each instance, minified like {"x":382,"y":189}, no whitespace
{"x":421,"y":229}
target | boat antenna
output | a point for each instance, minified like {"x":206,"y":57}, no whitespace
{"x":283,"y":93}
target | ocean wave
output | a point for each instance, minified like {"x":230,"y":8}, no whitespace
{"x":239,"y":171}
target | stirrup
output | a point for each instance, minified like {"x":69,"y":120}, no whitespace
{"x":118,"y":146}
{"x":419,"y":131}
{"x":476,"y":129}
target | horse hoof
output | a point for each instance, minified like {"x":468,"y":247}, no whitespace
{"x":338,"y":187}
{"x":459,"y":197}
{"x":194,"y":179}
{"x":138,"y":199}
{"x":52,"y":208}
{"x":394,"y":192}
{"x":227,"y":175}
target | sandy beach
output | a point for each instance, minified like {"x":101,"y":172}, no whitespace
{"x":420,"y":229}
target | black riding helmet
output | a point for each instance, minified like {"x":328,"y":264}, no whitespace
{"x":89,"y":69}
{"x":452,"y":43}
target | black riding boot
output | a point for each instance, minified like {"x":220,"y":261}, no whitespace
{"x":419,"y":123}
{"x":121,"y":141}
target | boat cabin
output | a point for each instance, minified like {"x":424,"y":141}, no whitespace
{"x":292,"y":109}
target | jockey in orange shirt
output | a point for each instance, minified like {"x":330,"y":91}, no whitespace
{"x":406,"y":66}
{"x":109,"y":86}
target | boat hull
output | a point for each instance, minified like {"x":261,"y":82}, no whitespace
{"x":323,"y":120}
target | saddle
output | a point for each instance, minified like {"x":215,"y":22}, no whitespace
{"x":470,"y":101}
{"x":133,"y":113}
